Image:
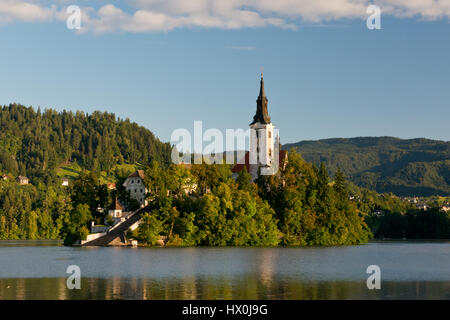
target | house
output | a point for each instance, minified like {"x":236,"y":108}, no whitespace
{"x":378,"y":213}
{"x":190,"y":186}
{"x":187,"y":166}
{"x":117,"y":213}
{"x":22,"y":180}
{"x":422,"y":206}
{"x":4,"y":177}
{"x":115,"y":210}
{"x":65,"y":182}
{"x":111,"y":186}
{"x":135,"y":185}
{"x":262,"y":156}
{"x":445,"y":208}
{"x":98,"y":228}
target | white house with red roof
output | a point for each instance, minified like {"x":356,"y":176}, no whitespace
{"x":135,"y":185}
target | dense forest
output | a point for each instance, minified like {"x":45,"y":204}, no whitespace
{"x":302,"y":205}
{"x":299,"y":206}
{"x":35,"y":143}
{"x":419,"y":167}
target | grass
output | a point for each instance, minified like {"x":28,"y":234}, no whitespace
{"x":71,"y":171}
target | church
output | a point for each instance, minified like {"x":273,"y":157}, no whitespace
{"x":265,"y":156}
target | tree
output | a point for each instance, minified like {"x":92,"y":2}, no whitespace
{"x":77,"y":224}
{"x":149,"y":229}
{"x":340,"y":187}
{"x":244,"y":181}
{"x":88,"y":190}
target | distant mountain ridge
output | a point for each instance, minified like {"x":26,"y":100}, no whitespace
{"x":405,"y":167}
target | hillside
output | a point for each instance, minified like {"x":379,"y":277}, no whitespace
{"x":48,"y":144}
{"x":404,"y":167}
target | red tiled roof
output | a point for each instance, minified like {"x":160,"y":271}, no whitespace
{"x":116,"y":205}
{"x":138,"y":173}
{"x":187,"y":166}
{"x":239,"y":166}
{"x":282,"y":159}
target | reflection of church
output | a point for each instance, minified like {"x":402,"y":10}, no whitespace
{"x":265,"y":156}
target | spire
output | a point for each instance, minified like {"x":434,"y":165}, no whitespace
{"x":262,"y":115}
{"x":262,"y":93}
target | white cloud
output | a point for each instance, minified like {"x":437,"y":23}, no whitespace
{"x":13,"y":10}
{"x":166,"y":15}
{"x":315,"y":11}
{"x":157,"y":15}
{"x":426,"y":9}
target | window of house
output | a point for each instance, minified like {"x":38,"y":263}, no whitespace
{"x":270,"y":134}
{"x":132,"y":181}
{"x":141,"y":190}
{"x":270,"y":152}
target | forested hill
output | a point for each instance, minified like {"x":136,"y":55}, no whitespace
{"x":35,"y":143}
{"x":404,"y":167}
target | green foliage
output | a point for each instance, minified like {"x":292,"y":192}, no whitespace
{"x":123,"y":195}
{"x":244,"y":181}
{"x":149,"y":229}
{"x":30,"y":212}
{"x":76,"y":226}
{"x":109,"y":220}
{"x":415,"y":224}
{"x":175,"y":179}
{"x":202,"y":204}
{"x":88,"y":190}
{"x":35,"y":143}
{"x":310,"y":209}
{"x":300,"y":206}
{"x":210,"y":176}
{"x":418,"y":167}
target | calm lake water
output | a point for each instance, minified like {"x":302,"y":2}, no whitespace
{"x":409,"y":270}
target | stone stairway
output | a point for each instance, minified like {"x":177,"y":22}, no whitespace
{"x":116,"y":237}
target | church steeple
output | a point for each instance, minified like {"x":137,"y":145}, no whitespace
{"x":262,"y":115}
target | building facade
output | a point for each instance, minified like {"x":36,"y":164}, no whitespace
{"x":135,"y":185}
{"x":265,"y":156}
{"x":22,"y":180}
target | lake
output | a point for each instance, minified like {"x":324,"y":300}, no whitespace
{"x":409,"y":270}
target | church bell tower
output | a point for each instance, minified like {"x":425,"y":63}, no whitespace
{"x":261,"y":137}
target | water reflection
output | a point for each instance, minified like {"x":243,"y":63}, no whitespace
{"x":206,"y":288}
{"x":409,"y":271}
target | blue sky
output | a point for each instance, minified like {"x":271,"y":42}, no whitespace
{"x":325,"y":77}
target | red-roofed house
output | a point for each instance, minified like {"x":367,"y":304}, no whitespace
{"x":115,"y":210}
{"x":135,"y":184}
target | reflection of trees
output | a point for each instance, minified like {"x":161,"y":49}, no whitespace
{"x":253,"y":286}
